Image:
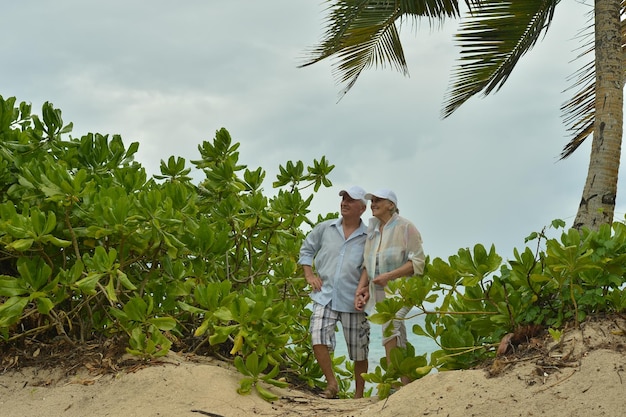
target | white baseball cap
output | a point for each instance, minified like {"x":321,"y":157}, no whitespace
{"x":383,"y":193}
{"x":355,"y":192}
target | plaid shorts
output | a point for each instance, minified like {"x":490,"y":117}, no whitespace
{"x":356,"y":330}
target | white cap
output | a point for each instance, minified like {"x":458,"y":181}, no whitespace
{"x":383,"y":193}
{"x":355,"y":192}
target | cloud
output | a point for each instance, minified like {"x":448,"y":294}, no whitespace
{"x":168,"y":75}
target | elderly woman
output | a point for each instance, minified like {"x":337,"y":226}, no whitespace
{"x":393,"y":250}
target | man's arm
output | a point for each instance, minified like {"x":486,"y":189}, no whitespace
{"x":362,"y":291}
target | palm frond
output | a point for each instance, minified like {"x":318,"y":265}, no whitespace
{"x":362,"y":34}
{"x":385,"y":48}
{"x":579,"y":111}
{"x":434,"y":10}
{"x":495,"y":35}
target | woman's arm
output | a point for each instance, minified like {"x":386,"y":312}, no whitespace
{"x":406,"y":270}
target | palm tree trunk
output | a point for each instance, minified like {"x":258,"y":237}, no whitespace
{"x":597,"y":205}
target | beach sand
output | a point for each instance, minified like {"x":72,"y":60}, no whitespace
{"x":582,"y":375}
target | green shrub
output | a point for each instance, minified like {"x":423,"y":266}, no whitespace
{"x":92,"y":248}
{"x":474,"y":299}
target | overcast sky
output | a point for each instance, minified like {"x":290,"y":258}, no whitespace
{"x":169,"y":74}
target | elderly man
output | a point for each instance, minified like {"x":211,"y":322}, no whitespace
{"x":331,"y":257}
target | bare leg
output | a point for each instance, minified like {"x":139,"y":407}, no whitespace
{"x":393,"y":343}
{"x":322,"y":355}
{"x":360,"y":367}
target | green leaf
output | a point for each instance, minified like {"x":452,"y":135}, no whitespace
{"x":418,"y":330}
{"x":252,"y":364}
{"x":88,"y":284}
{"x":10,"y":287}
{"x":276,"y":383}
{"x":265,"y":394}
{"x":423,"y":370}
{"x":221,"y":334}
{"x":34,"y":271}
{"x":191,"y":309}
{"x":123,"y":278}
{"x":163,"y":323}
{"x":203,"y":328}
{"x":381,"y":318}
{"x":384,"y":389}
{"x":110,"y":291}
{"x":21,"y":245}
{"x":44,"y":305}
{"x":11,"y":310}
{"x":443,"y":273}
{"x":241,"y":367}
{"x":136,"y":309}
{"x":245,"y":385}
{"x":55,"y":241}
{"x":224,"y":314}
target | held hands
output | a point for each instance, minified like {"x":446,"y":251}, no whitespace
{"x":361,"y":297}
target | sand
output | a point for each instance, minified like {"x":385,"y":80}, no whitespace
{"x":582,"y":375}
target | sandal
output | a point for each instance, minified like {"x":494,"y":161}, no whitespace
{"x":329,"y":393}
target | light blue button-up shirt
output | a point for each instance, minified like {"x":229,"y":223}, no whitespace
{"x":337,"y":261}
